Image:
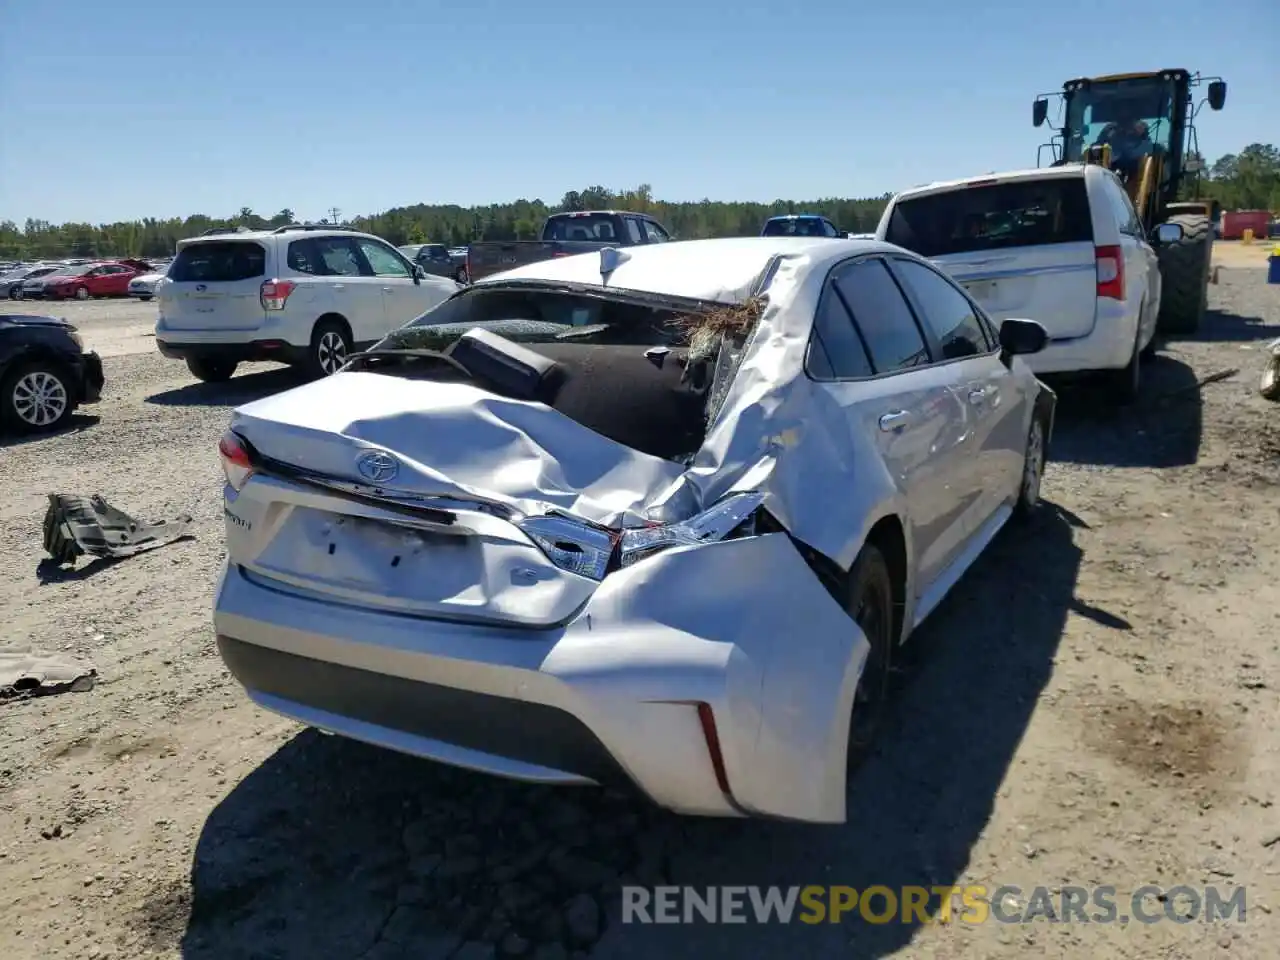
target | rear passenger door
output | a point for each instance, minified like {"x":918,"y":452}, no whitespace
{"x":344,"y":284}
{"x":397,"y":286}
{"x":987,"y":393}
{"x":875,"y":363}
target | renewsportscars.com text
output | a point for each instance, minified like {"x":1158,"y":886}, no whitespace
{"x":973,"y":904}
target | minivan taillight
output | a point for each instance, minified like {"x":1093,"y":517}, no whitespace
{"x":1110,"y":265}
{"x":275,"y":292}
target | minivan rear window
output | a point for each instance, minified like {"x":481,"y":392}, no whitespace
{"x":1027,"y":213}
{"x":219,"y":261}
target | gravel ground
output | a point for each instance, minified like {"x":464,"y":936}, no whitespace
{"x":1094,"y":704}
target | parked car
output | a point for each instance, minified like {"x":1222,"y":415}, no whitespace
{"x":45,"y":373}
{"x":800,"y":225}
{"x":1062,"y":245}
{"x":93,"y":280}
{"x":436,"y":258}
{"x":622,"y":549}
{"x":304,"y":295}
{"x":12,"y":283}
{"x":564,"y":234}
{"x":143,"y":285}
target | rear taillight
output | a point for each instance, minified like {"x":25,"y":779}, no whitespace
{"x":236,"y":465}
{"x":1110,"y":265}
{"x":275,"y":293}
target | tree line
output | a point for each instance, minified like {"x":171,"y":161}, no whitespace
{"x":1247,"y":180}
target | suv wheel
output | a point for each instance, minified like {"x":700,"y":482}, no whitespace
{"x":211,"y":371}
{"x":330,"y":347}
{"x":461,"y":276}
{"x":34,"y":397}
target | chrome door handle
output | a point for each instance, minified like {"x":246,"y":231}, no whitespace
{"x":386,"y":289}
{"x":977,"y":396}
{"x":894,"y":421}
{"x":339,"y":286}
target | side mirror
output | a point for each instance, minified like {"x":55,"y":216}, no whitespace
{"x":1022,"y":337}
{"x":1168,"y":233}
{"x":418,"y":273}
{"x":1040,"y":112}
{"x":1217,"y":94}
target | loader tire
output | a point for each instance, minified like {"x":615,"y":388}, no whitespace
{"x":1184,"y":275}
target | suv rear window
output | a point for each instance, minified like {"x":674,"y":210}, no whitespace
{"x":797,"y":227}
{"x":1025,"y":213}
{"x":592,"y":226}
{"x":219,"y":261}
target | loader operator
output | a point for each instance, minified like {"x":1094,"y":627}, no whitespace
{"x":1130,"y":141}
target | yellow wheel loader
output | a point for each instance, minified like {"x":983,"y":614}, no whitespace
{"x":1142,"y":126}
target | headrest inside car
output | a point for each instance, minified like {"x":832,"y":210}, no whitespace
{"x":506,"y":367}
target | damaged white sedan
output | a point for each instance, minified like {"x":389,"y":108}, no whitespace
{"x":658,"y":516}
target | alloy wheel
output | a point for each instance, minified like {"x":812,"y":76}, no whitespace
{"x":331,"y":351}
{"x":39,"y":398}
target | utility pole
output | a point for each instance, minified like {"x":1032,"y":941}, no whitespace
{"x":333,"y":215}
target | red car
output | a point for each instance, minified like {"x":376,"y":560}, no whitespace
{"x":107,"y":279}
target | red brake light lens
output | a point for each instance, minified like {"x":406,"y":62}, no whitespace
{"x":275,"y":293}
{"x":1110,"y":266}
{"x":236,"y":465}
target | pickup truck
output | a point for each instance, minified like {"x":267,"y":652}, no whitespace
{"x":563,"y":235}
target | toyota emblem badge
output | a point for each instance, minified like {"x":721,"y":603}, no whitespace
{"x":377,"y":466}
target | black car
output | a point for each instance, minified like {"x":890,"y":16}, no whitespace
{"x":45,"y":373}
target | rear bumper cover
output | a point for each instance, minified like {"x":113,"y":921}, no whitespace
{"x":254,"y":351}
{"x":742,"y":626}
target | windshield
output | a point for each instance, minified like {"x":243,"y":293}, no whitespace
{"x":78,"y":271}
{"x":1131,"y":115}
{"x":796,"y":227}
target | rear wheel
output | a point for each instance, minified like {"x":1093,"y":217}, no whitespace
{"x":1184,"y":275}
{"x":35,"y":396}
{"x":211,"y":371}
{"x":461,"y":275}
{"x":1126,"y":382}
{"x":869,"y":601}
{"x":1032,"y":470}
{"x":330,"y":347}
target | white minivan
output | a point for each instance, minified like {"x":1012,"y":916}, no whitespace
{"x":305,"y":295}
{"x":1063,"y":246}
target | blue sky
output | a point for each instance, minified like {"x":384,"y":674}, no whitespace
{"x":163,"y":108}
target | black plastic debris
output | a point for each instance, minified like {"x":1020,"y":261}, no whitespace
{"x":76,"y":525}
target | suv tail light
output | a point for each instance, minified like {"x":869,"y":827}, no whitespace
{"x":275,"y":292}
{"x":1110,"y":265}
{"x":236,"y":465}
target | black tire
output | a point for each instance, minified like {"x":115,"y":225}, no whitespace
{"x":14,"y":294}
{"x":1124,"y":385}
{"x":145,"y":299}
{"x":1184,"y":275}
{"x":461,"y":276}
{"x":36,"y":397}
{"x":869,"y":601}
{"x":1033,"y":461}
{"x":211,"y":370}
{"x":330,"y":347}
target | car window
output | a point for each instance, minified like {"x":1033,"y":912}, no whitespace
{"x":336,"y":257}
{"x":947,"y":312}
{"x":654,"y":233}
{"x":384,"y":262}
{"x":634,"y":231}
{"x":219,"y":261}
{"x":828,"y":228}
{"x":882,"y":316}
{"x":836,"y":351}
{"x":1018,"y":213}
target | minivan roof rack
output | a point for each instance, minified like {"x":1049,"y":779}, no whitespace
{"x":288,"y":227}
